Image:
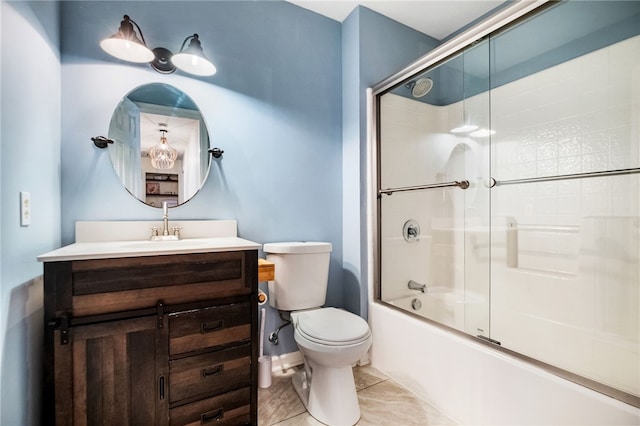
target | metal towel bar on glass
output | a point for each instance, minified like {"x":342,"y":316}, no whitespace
{"x":463,"y":184}
{"x":603,"y":173}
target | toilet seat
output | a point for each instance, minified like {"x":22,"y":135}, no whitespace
{"x":331,"y":327}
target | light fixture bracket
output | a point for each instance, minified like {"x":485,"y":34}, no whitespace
{"x":162,"y":61}
{"x":101,"y":141}
{"x":216,"y":152}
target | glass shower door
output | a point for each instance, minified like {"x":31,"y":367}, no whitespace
{"x":433,"y":195}
{"x":508,"y":203}
{"x":476,"y":137}
{"x":566,"y":158}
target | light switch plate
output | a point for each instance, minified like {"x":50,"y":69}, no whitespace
{"x":25,"y":209}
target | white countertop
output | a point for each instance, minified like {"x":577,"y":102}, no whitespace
{"x":104,"y":240}
{"x":112,"y":249}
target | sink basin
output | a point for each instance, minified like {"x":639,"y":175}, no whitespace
{"x":165,"y":238}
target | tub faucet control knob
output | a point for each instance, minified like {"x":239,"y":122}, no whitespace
{"x":411,"y":231}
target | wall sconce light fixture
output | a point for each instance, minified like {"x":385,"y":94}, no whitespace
{"x":192,"y":59}
{"x":126,"y":45}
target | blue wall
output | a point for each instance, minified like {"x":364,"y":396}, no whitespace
{"x":274,"y":107}
{"x":290,"y":88}
{"x":373,"y":48}
{"x":30,"y":162}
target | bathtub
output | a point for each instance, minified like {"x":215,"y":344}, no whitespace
{"x":474,"y":383}
{"x":441,"y":304}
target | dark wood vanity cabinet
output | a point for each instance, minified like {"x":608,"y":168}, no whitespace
{"x":152,"y":340}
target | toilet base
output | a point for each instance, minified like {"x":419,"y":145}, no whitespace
{"x":330,"y":396}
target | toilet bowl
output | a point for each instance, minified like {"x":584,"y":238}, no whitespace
{"x":331,"y":340}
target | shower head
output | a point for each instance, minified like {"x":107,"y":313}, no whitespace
{"x":420,"y":87}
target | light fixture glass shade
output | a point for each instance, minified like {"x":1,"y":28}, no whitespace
{"x":126,"y":45}
{"x":192,"y":59}
{"x":163,"y":156}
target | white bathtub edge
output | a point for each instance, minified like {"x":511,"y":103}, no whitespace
{"x":475,"y":384}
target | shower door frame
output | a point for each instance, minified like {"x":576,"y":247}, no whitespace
{"x":511,"y":14}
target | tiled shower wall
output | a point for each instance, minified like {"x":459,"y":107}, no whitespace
{"x":571,"y":298}
{"x":417,"y":149}
{"x":580,"y":116}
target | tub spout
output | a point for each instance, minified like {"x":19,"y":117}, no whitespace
{"x":413,"y":285}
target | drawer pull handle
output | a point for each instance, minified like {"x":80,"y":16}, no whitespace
{"x":213,"y":371}
{"x":211,"y":416}
{"x":208,"y":327}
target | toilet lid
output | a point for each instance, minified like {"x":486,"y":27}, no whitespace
{"x":332,"y":326}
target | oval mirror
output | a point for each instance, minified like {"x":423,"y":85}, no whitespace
{"x":160,"y":148}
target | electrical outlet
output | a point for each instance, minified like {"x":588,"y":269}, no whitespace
{"x":25,"y":209}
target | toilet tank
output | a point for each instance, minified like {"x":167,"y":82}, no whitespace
{"x":301,"y":274}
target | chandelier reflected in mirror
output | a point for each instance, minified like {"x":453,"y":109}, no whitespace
{"x":163,"y":156}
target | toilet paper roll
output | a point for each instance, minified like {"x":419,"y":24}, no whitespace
{"x":262,"y":297}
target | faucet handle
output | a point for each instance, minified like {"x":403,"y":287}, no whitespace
{"x":176,"y":230}
{"x":154,"y":231}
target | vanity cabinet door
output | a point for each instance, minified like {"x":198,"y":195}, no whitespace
{"x":119,"y":374}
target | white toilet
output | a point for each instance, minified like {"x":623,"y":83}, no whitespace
{"x":331,"y":340}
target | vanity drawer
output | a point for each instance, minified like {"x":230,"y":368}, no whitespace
{"x":231,"y":408}
{"x":109,"y":285}
{"x":215,"y":326}
{"x":210,"y":373}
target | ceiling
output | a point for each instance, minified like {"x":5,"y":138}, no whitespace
{"x":436,"y":18}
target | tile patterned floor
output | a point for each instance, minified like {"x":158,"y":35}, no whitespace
{"x":382,"y":402}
